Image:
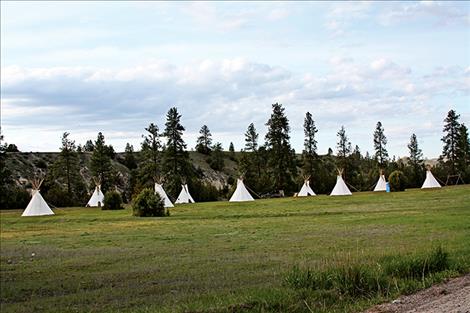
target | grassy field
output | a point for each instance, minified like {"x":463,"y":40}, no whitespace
{"x":218,"y":257}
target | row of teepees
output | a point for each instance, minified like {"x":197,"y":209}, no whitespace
{"x":37,"y":206}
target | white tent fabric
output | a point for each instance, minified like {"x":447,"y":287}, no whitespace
{"x":185,"y":196}
{"x":340,"y":188}
{"x":163,"y":195}
{"x":241,"y":193}
{"x":37,"y":206}
{"x":430,"y":181}
{"x":306,"y":190}
{"x":97,"y":198}
{"x":381,"y":184}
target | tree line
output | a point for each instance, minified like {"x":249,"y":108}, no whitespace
{"x":270,"y":168}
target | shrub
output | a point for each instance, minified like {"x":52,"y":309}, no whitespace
{"x":397,"y":181}
{"x":112,"y":201}
{"x":148,"y":203}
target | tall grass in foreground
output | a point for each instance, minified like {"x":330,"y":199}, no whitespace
{"x":389,"y":276}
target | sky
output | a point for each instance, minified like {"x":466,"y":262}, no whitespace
{"x":116,"y":67}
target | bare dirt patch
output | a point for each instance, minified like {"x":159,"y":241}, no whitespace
{"x":452,"y":296}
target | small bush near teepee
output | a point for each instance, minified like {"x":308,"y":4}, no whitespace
{"x":147,"y":203}
{"x":112,"y":201}
{"x":397,"y":181}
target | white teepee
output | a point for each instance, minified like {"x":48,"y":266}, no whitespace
{"x":97,"y":198}
{"x":241,"y":193}
{"x":306,"y":190}
{"x":430,"y":181}
{"x":340,"y":188}
{"x":37,"y":206}
{"x":184,"y":196}
{"x":161,"y":192}
{"x":381,"y":183}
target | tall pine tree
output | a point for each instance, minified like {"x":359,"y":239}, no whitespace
{"x":309,"y":154}
{"x":67,"y":165}
{"x":129,"y":158}
{"x":463,"y":152}
{"x":101,"y":163}
{"x":204,"y":141}
{"x":281,"y":157}
{"x":151,"y":152}
{"x":176,"y":164}
{"x":451,"y":139}
{"x":380,"y":141}
{"x":416,"y":162}
{"x":344,"y":148}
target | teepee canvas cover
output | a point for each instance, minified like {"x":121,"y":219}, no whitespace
{"x":184,"y":196}
{"x":306,"y":190}
{"x":340,"y":188}
{"x":430,"y":181}
{"x":161,"y":192}
{"x":37,"y":206}
{"x":97,"y":198}
{"x":381,"y":183}
{"x":241,"y":193}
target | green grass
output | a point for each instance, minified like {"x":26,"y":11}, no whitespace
{"x":224,"y":257}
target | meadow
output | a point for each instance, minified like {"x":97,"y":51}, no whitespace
{"x":220,"y":256}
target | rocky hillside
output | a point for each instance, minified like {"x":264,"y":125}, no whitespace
{"x":26,"y":165}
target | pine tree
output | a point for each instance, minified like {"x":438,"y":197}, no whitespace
{"x":344,"y":148}
{"x":88,"y":147}
{"x":101,"y":163}
{"x":416,"y":162}
{"x":463,"y":150}
{"x":129,"y":158}
{"x":251,"y":145}
{"x":309,"y":154}
{"x":204,"y":141}
{"x":231,"y":150}
{"x":281,"y":157}
{"x":151,"y":150}
{"x":251,"y":139}
{"x":380,"y":141}
{"x":451,"y":139}
{"x":216,"y":161}
{"x":67,"y":165}
{"x":176,"y":159}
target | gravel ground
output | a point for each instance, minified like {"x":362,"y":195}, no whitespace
{"x":450,"y":297}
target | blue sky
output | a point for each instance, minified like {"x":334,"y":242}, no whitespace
{"x":114,"y":67}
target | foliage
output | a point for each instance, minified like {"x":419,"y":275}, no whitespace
{"x":12,"y":148}
{"x":344,"y":148}
{"x":309,"y":154}
{"x":380,"y":141}
{"x":415,"y":162}
{"x":151,"y":153}
{"x":100,"y":165}
{"x":231,"y":150}
{"x":129,"y":158}
{"x":204,"y":141}
{"x":397,"y":181}
{"x":176,"y":159}
{"x":451,"y":139}
{"x":89,"y":146}
{"x":216,"y":161}
{"x":463,"y":152}
{"x":281,"y":157}
{"x":112,"y":201}
{"x":148,"y":203}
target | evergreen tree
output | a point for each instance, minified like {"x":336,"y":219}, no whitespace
{"x":463,"y":150}
{"x":151,"y":149}
{"x":451,"y":139}
{"x":67,"y":165}
{"x":309,"y":154}
{"x":216,"y":161}
{"x":380,"y":141}
{"x":416,"y":162}
{"x":88,"y":147}
{"x":129,"y":158}
{"x":204,"y":141}
{"x":176,"y":159}
{"x":5,"y":175}
{"x":344,"y":148}
{"x":231,"y":150}
{"x":281,"y":157}
{"x":101,"y":163}
{"x":251,"y":139}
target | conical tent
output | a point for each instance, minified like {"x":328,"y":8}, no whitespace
{"x":97,"y":198}
{"x":161,"y":192}
{"x":381,"y":183}
{"x":185,"y":196}
{"x":430,"y":181}
{"x":306,"y":190}
{"x":241,"y":193}
{"x":340,"y":188}
{"x":37,"y":206}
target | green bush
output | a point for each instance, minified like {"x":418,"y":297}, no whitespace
{"x":147,"y":203}
{"x":397,"y":181}
{"x":112,"y":201}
